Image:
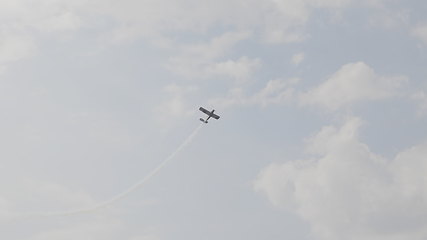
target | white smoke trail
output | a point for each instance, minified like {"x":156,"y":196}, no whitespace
{"x":128,"y":191}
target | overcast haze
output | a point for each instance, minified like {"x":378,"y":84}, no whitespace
{"x":322,"y":135}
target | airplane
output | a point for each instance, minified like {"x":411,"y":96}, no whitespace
{"x":209,"y":113}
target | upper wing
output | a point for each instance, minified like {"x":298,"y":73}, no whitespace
{"x":210,"y":114}
{"x":214,"y":116}
{"x":205,"y":111}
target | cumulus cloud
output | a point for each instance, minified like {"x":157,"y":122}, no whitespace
{"x":23,"y":21}
{"x":146,"y":237}
{"x":351,"y":84}
{"x":204,"y":60}
{"x":274,"y":21}
{"x":282,"y":32}
{"x":345,"y":191}
{"x":278,"y":20}
{"x":276,"y":91}
{"x":389,"y":19}
{"x":420,"y":32}
{"x":96,"y":230}
{"x":420,"y":98}
{"x":297,"y":58}
{"x":25,"y":201}
{"x":28,"y":196}
{"x":99,"y":228}
{"x":176,"y":105}
{"x":286,"y":23}
{"x":14,"y":47}
{"x":240,"y":69}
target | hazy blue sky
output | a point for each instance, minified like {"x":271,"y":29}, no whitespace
{"x":322,"y":136}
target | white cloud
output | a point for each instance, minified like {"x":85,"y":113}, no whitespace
{"x":279,"y":21}
{"x":176,"y":105}
{"x":28,"y":196}
{"x":63,"y":21}
{"x":146,"y":237}
{"x":240,"y":69}
{"x":278,"y":35}
{"x":420,"y":32}
{"x":6,"y":208}
{"x":298,"y":58}
{"x":388,"y":19}
{"x":217,"y":47}
{"x":23,"y":20}
{"x":14,"y":47}
{"x":100,"y":227}
{"x":420,"y":98}
{"x":345,"y":191}
{"x":202,"y":61}
{"x":96,"y":230}
{"x":352,"y":83}
{"x":25,"y":203}
{"x":286,"y":19}
{"x":276,"y":91}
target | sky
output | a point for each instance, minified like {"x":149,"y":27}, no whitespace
{"x":322,"y":135}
